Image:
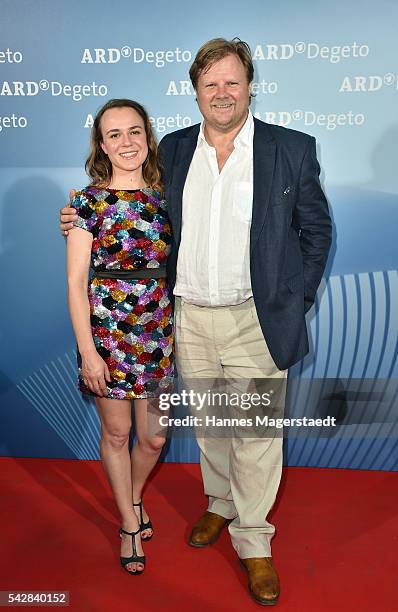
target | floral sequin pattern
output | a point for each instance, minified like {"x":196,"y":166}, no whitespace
{"x":131,"y":320}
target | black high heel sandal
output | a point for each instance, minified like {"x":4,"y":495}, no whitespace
{"x":143,"y":526}
{"x":134,"y":557}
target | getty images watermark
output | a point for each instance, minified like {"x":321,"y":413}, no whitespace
{"x":209,"y":400}
{"x":198,"y":400}
{"x":249,"y":408}
{"x":266,"y":408}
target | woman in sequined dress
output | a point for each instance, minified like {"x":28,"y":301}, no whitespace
{"x":123,"y":321}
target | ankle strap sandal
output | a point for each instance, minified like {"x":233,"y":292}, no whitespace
{"x":124,"y":561}
{"x":143,"y":526}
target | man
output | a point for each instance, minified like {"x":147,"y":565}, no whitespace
{"x":251,"y":233}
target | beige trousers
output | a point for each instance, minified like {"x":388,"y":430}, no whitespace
{"x":241,"y":475}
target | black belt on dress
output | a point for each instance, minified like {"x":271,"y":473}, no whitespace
{"x":132,"y":274}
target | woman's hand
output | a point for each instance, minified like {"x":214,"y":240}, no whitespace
{"x":95,"y":373}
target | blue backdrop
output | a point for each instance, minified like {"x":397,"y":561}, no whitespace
{"x":329,"y":70}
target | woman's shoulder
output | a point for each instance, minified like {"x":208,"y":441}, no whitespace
{"x":87,"y":196}
{"x":90,"y":192}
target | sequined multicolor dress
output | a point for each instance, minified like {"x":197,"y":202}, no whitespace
{"x":131,"y":320}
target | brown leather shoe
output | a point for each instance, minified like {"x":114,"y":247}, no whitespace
{"x":207,"y":529}
{"x":263,"y":580}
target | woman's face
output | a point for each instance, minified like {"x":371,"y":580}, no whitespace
{"x":124,"y":139}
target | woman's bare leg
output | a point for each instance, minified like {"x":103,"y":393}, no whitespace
{"x":115,"y":418}
{"x":146,"y":450}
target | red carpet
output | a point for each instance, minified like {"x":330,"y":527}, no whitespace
{"x":335,"y":547}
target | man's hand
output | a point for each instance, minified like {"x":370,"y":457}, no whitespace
{"x":67,"y":215}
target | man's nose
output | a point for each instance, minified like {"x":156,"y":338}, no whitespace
{"x":221,"y":90}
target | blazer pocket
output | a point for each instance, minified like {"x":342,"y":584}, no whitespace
{"x":242,"y":204}
{"x":284,"y":197}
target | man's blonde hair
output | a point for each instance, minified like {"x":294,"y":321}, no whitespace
{"x":215,"y":50}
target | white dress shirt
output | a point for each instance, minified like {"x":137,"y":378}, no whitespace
{"x":213,"y":267}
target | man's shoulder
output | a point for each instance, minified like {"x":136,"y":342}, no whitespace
{"x":283,"y":135}
{"x":189,"y":132}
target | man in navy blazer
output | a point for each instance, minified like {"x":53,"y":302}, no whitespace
{"x":290,"y":232}
{"x":251,"y":236}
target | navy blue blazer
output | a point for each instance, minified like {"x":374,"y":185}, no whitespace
{"x":290,"y":233}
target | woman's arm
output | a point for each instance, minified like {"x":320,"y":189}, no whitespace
{"x":95,"y":372}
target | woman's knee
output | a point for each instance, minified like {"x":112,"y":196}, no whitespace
{"x":152,"y":445}
{"x":116,"y":437}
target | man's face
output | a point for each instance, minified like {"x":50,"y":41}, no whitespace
{"x":223,"y":94}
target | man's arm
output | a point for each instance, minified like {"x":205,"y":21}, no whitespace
{"x":311,"y":216}
{"x":67,"y":215}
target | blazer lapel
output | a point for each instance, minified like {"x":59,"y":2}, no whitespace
{"x":264,"y":154}
{"x":183,"y":157}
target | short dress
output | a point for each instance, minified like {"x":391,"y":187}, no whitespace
{"x":131,"y":320}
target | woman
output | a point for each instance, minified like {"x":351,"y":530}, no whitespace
{"x":121,"y":315}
